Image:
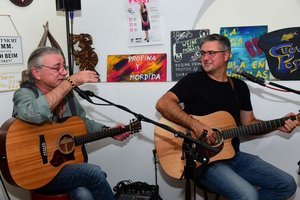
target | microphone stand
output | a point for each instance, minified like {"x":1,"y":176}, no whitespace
{"x":285,"y":88}
{"x":189,"y":145}
{"x":259,"y":80}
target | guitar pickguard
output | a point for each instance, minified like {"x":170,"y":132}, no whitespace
{"x":202,"y":152}
{"x":59,"y":158}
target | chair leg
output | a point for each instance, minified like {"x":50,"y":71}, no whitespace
{"x":206,"y":191}
{"x":205,"y":194}
{"x":217,"y":196}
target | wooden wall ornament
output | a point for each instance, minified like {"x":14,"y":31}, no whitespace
{"x":83,"y":52}
{"x":21,"y":3}
{"x":47,"y":35}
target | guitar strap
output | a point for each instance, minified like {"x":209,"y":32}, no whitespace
{"x":231,"y":82}
{"x":70,"y":99}
{"x":236,"y":100}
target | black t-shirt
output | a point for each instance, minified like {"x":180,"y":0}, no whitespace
{"x":202,"y":96}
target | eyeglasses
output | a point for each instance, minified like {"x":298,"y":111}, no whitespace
{"x":59,"y":69}
{"x":210,"y":54}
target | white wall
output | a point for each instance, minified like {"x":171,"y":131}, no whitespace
{"x":29,"y":23}
{"x":104,"y":20}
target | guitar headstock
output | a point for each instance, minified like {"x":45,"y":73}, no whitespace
{"x":135,"y":125}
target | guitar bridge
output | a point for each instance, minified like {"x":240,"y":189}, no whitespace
{"x":43,"y":149}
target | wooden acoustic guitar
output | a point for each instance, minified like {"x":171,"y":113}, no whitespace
{"x":169,"y":148}
{"x":33,"y":154}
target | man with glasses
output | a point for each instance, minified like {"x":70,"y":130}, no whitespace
{"x":45,"y":95}
{"x":244,"y":176}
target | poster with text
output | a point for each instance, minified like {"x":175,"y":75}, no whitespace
{"x":137,"y":68}
{"x":143,"y":20}
{"x":245,"y":52}
{"x":10,"y":50}
{"x":185,"y":52}
{"x":9,"y":81}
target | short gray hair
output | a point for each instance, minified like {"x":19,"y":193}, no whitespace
{"x":223,"y":40}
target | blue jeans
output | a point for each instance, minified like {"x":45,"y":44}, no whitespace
{"x":247,"y":177}
{"x":82,"y":181}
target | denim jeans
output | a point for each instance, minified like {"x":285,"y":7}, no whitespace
{"x":82,"y":181}
{"x":247,"y":177}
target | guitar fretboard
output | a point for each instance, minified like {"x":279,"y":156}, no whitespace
{"x":90,"y":137}
{"x":258,"y":128}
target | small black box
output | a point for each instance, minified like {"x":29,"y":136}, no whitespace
{"x":127,"y":190}
{"x":68,"y":5}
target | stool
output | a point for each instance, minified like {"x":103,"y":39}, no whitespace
{"x":39,"y":196}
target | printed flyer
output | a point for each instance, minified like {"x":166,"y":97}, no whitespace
{"x":143,"y":22}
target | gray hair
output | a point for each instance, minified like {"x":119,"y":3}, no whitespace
{"x":35,"y":60}
{"x":223,"y":40}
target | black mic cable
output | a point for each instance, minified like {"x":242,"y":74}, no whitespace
{"x":83,"y":94}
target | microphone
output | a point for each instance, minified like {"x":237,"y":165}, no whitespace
{"x":83,"y":94}
{"x":238,"y":70}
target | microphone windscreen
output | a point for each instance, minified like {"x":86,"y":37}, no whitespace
{"x":236,"y":69}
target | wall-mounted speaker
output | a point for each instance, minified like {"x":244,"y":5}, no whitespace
{"x":68,"y":5}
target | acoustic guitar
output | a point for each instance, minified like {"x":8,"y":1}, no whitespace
{"x":33,"y":154}
{"x":169,"y":148}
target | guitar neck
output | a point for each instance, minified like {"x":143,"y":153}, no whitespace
{"x":90,"y":137}
{"x":258,"y":128}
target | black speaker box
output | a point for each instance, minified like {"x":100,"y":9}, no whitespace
{"x":68,"y":5}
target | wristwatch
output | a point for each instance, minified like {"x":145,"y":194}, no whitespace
{"x":21,"y":3}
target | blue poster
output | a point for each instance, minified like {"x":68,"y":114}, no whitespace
{"x":245,"y":51}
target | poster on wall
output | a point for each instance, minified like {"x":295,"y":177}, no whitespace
{"x":10,"y":50}
{"x":245,"y":51}
{"x":185,"y":52}
{"x":9,"y":81}
{"x":283,"y":54}
{"x":137,"y":68}
{"x":143,"y":21}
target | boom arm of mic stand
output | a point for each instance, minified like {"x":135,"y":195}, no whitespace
{"x":91,"y":94}
{"x":285,"y":88}
{"x":166,"y":127}
{"x":261,"y":81}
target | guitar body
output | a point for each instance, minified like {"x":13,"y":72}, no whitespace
{"x":169,"y":147}
{"x":23,"y":145}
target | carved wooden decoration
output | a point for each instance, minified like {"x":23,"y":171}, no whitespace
{"x":83,"y":53}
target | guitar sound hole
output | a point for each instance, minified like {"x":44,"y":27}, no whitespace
{"x":66,"y":143}
{"x":219,"y":138}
